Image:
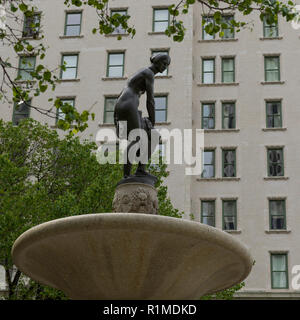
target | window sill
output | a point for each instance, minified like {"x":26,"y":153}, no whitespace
{"x":220,"y":130}
{"x":233,"y":231}
{"x":274,"y":129}
{"x":277,"y":231}
{"x":276,"y":178}
{"x":156,"y":33}
{"x":25,"y":81}
{"x":219,"y":179}
{"x":217,"y":84}
{"x":56,"y":127}
{"x":100,"y":124}
{"x":113,"y":78}
{"x":113,"y":35}
{"x":69,"y":80}
{"x":271,"y":38}
{"x":163,"y":77}
{"x":71,"y":37}
{"x":218,"y":40}
{"x":32,"y":38}
{"x":272,"y":82}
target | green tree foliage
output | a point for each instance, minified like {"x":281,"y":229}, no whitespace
{"x":44,"y":77}
{"x":227,"y":294}
{"x":43,"y":177}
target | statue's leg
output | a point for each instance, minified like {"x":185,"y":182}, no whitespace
{"x":128,"y":164}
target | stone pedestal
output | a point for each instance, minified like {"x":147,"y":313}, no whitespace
{"x":135,"y":198}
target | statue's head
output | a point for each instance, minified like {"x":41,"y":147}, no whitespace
{"x":160,"y":61}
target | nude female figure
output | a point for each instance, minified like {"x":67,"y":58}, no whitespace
{"x":126,"y":108}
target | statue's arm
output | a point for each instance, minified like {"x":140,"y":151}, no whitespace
{"x":150,"y":98}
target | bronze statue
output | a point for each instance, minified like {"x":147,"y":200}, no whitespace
{"x":126,"y":109}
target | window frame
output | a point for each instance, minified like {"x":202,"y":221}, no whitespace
{"x":286,"y":270}
{"x":223,"y":161}
{"x":283,"y":214}
{"x":31,"y":69}
{"x":223,"y":114}
{"x":204,"y":72}
{"x":116,"y":10}
{"x":213,"y":163}
{"x":166,"y":109}
{"x":214,"y":212}
{"x":268,"y":160}
{"x":105,"y":111}
{"x":233,"y":71}
{"x":66,"y":19}
{"x":57,"y":110}
{"x":202,"y":114}
{"x":234,"y":214}
{"x":34,"y":34}
{"x":280,"y":114}
{"x":153,"y":17}
{"x":267,"y":26}
{"x":265,"y":66}
{"x":108,"y":65}
{"x":233,"y":33}
{"x":14,"y":112}
{"x":204,"y":17}
{"x":62,"y":63}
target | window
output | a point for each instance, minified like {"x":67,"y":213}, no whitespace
{"x":119,"y":29}
{"x":270,"y":30}
{"x":160,"y":20}
{"x":279,"y":271}
{"x":161,"y":107}
{"x":208,"y":70}
{"x":21,"y":111}
{"x":26,"y":66}
{"x":208,"y":212}
{"x":73,"y":23}
{"x":205,"y":22}
{"x":274,"y":117}
{"x":71,"y":63}
{"x":115,"y":66}
{"x":228,"y":112}
{"x":277,"y":214}
{"x":229,"y":215}
{"x":155,"y":52}
{"x":109,"y":109}
{"x":272,"y":69}
{"x":158,"y":156}
{"x":31,"y":26}
{"x":229,"y":163}
{"x":275,"y":162}
{"x":228,"y":33}
{"x":208,"y":115}
{"x":228,"y":73}
{"x":208,"y":164}
{"x":59,"y":114}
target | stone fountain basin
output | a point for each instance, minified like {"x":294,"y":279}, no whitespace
{"x":122,"y":256}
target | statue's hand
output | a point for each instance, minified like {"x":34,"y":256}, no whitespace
{"x":149,"y":124}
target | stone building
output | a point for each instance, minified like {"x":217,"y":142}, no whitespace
{"x":242,"y":89}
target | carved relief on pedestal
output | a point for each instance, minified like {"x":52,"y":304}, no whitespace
{"x":135,"y":198}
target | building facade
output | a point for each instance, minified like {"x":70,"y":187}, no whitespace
{"x":240,"y":88}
